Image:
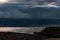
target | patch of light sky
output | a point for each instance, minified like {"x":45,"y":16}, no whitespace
{"x":7,"y":1}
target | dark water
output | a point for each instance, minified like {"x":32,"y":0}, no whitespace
{"x":9,"y":22}
{"x":21,"y":16}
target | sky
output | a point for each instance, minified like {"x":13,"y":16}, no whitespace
{"x":21,"y":1}
{"x":4,"y":1}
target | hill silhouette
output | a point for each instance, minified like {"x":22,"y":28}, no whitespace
{"x":49,"y":32}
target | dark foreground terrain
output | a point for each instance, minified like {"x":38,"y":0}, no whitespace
{"x":47,"y":33}
{"x":17,"y":36}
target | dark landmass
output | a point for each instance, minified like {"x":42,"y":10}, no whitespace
{"x":49,"y":32}
{"x":17,"y":36}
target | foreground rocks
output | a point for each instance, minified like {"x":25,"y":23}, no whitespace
{"x":17,"y":36}
{"x":49,"y":32}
